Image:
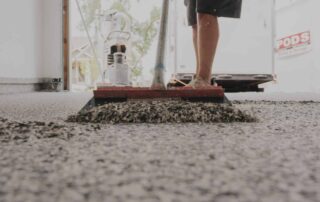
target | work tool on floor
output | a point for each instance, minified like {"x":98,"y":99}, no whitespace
{"x":106,"y":93}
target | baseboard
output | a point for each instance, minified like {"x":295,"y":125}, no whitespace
{"x":17,"y":81}
{"x":18,"y":88}
{"x":25,"y":85}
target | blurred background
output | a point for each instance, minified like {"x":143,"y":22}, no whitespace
{"x":273,"y":47}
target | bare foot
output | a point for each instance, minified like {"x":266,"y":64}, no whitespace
{"x":199,"y":83}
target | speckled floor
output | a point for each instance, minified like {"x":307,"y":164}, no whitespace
{"x":276,"y":159}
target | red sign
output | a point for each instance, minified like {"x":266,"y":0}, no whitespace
{"x":294,"y":40}
{"x":294,"y":44}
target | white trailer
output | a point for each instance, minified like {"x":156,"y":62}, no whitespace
{"x":297,"y":46}
{"x":245,"y":56}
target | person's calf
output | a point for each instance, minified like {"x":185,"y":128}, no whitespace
{"x":195,"y":44}
{"x":208,"y":36}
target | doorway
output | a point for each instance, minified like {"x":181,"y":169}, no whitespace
{"x":93,"y":27}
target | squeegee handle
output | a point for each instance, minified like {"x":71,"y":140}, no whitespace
{"x":163,"y":34}
{"x":158,"y":80}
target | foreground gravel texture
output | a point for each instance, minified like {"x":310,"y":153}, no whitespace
{"x":165,"y":111}
{"x":20,"y":132}
{"x":276,"y":159}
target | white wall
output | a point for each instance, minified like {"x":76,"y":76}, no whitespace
{"x":298,"y":73}
{"x":21,"y":38}
{"x":52,"y":39}
{"x":30,"y":39}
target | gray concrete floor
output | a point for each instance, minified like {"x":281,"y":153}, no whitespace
{"x":276,"y":159}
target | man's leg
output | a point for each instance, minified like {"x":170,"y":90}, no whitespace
{"x":192,"y":21}
{"x":195,"y":44}
{"x":207,"y":41}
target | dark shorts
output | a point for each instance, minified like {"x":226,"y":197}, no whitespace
{"x":220,"y":8}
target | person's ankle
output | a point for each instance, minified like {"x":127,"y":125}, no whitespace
{"x":206,"y":80}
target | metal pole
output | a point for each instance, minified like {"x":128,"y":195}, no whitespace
{"x":158,"y":80}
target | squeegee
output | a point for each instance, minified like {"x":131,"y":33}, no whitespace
{"x":158,"y":80}
{"x":158,"y":90}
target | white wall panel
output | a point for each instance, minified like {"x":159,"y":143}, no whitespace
{"x":299,"y":72}
{"x":30,"y":39}
{"x":52,"y":38}
{"x":21,"y":38}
